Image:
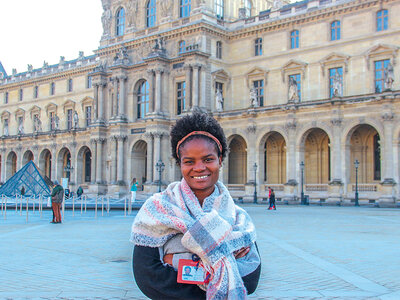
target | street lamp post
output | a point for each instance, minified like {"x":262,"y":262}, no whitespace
{"x":356,"y":164}
{"x":255,"y":183}
{"x":302,"y":183}
{"x":160,"y":168}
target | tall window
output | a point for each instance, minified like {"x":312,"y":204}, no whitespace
{"x":88,"y":162}
{"x":143,"y":100}
{"x":182,"y":47}
{"x":69,"y":119}
{"x":21,"y":94}
{"x":151,"y":13}
{"x":88,"y":115}
{"x":52,"y":120}
{"x":382,"y":20}
{"x":89,"y":82}
{"x":247,"y":7}
{"x":335,"y":82}
{"x":297,"y":80}
{"x":5,"y":97}
{"x":259,"y":86}
{"x":377,"y":157}
{"x":70,"y":85}
{"x":335,"y":31}
{"x":218,"y":53}
{"x":258,"y":47}
{"x":219,"y":9}
{"x":184,"y":8}
{"x":52,"y":88}
{"x":380,"y":67}
{"x":120,"y":22}
{"x":36,"y":92}
{"x":180,"y":97}
{"x":294,"y":39}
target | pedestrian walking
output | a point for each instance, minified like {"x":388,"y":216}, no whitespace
{"x":272,"y":200}
{"x":194,"y":224}
{"x":269,"y":193}
{"x":134,"y":188}
{"x":22,"y":191}
{"x":57,"y":196}
{"x":79,"y":191}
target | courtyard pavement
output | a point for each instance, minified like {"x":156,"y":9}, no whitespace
{"x":307,"y":253}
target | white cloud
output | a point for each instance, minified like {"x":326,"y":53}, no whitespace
{"x":43,"y":30}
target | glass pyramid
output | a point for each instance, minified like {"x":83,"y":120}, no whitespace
{"x":29,"y":177}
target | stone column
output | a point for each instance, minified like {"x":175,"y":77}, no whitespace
{"x":93,"y":163}
{"x":74,"y":164}
{"x":188,"y":84}
{"x":121,"y":160}
{"x":195,"y":91}
{"x":203,"y":87}
{"x":150,"y":165}
{"x":290,"y":186}
{"x":336,"y":151}
{"x":151,"y":90}
{"x":3,"y":165}
{"x":99,"y":160}
{"x":157,"y":106}
{"x":96,"y":101}
{"x":101,"y":103}
{"x":157,"y":152}
{"x":53,"y":162}
{"x":387,"y":119}
{"x":122,"y":98}
{"x":116,"y":95}
{"x":113,"y":167}
{"x":19,"y":157}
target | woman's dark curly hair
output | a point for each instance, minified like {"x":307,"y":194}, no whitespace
{"x":198,"y":121}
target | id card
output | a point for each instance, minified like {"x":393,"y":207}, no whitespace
{"x":189,"y":273}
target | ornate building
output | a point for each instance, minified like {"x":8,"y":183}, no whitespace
{"x":302,"y":91}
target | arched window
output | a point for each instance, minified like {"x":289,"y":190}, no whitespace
{"x":151,"y":13}
{"x":87,"y":165}
{"x":335,"y":31}
{"x":219,"y":9}
{"x":294,"y":39}
{"x":184,"y":8}
{"x":247,"y":7}
{"x":120,"y":22}
{"x":143,"y":100}
{"x":182,"y":46}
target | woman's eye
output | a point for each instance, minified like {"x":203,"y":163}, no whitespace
{"x":209,"y":159}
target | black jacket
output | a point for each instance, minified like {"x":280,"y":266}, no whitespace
{"x":158,"y":281}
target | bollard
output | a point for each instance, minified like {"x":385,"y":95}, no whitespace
{"x":85,"y":202}
{"x":16,"y":203}
{"x":2,"y":201}
{"x":27,"y":208}
{"x":73,"y":206}
{"x":108,"y":204}
{"x":95,"y":209}
{"x":125,"y":206}
{"x":33,"y":204}
{"x":20,"y":207}
{"x":102,"y":205}
{"x":41,"y":205}
{"x":63,"y":208}
{"x":81,"y":205}
{"x":5,"y":210}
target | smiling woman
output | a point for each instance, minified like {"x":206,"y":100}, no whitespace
{"x":195,"y":222}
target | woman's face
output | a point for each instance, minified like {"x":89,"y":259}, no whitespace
{"x":200,"y":166}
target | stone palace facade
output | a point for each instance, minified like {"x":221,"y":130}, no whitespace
{"x":303,"y":90}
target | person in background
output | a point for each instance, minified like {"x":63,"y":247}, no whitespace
{"x":22,"y":191}
{"x":272,"y":200}
{"x":134,"y":188}
{"x":57,"y":196}
{"x":79,"y":191}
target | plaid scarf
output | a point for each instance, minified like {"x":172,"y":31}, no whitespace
{"x":213,"y":232}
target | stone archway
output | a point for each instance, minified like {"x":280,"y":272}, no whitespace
{"x":84,"y":165}
{"x":274,"y":159}
{"x":237,"y":161}
{"x":64,"y":164}
{"x":317,"y":162}
{"x":45,"y":162}
{"x":11,"y":165}
{"x":27,"y":157}
{"x":139,"y":162}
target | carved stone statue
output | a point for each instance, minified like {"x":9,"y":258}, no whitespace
{"x":37,"y":124}
{"x":132,"y":8}
{"x":76,"y":120}
{"x":337,"y":85}
{"x":293,"y":94}
{"x":5,"y":132}
{"x":21,"y":126}
{"x":253,"y":97}
{"x":219,"y":100}
{"x":389,"y":77}
{"x":166,"y":6}
{"x":30,"y":68}
{"x":56,"y":123}
{"x":106,"y":18}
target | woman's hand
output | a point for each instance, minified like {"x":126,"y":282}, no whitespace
{"x":241,"y":252}
{"x":168,"y":259}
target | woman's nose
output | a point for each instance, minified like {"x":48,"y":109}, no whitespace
{"x":199,"y":166}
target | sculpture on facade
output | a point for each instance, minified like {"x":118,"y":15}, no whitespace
{"x":293,"y":94}
{"x":37,"y":124}
{"x":30,"y":68}
{"x":56,"y":123}
{"x":389,"y":77}
{"x":5,"y":132}
{"x":337,"y":85}
{"x":21,"y":127}
{"x":166,"y":8}
{"x":132,"y":8}
{"x":253,"y":97}
{"x":106,"y":17}
{"x":219,"y":100}
{"x":76,"y":120}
